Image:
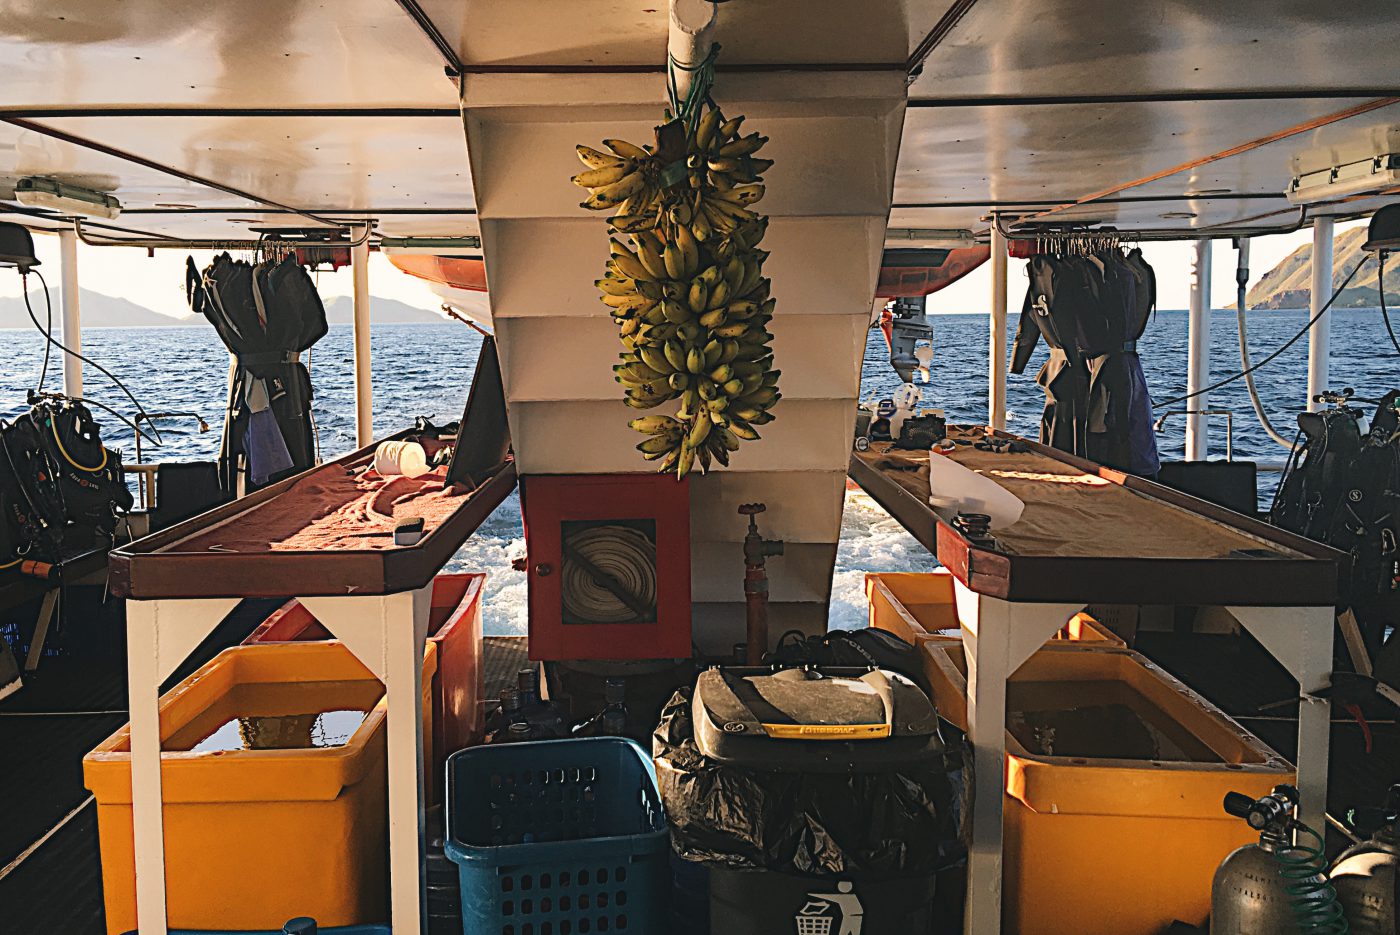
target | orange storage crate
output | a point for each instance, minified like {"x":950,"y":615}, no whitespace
{"x":255,"y":837}
{"x":917,"y":606}
{"x":1083,"y":833}
{"x":459,"y":685}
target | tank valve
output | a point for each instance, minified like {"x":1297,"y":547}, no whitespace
{"x":756,"y":550}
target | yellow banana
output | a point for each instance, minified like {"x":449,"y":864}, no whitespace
{"x":719,"y":295}
{"x":650,"y":257}
{"x":687,"y":458}
{"x":732,"y":331}
{"x":653,"y":425}
{"x":700,"y":227}
{"x":732,"y":388}
{"x":627,"y":263}
{"x":657,"y":360}
{"x":675,"y":312}
{"x":712,"y":352}
{"x":611,"y":196}
{"x":743,"y":430}
{"x":695,"y":360}
{"x":607,"y":175}
{"x":632,"y":223}
{"x":722,"y":374}
{"x":595,"y":159}
{"x":731,"y":350}
{"x":698,"y":431}
{"x":615,"y":286}
{"x":699,"y":296}
{"x":689,"y":249}
{"x":674,"y":261}
{"x":729,"y":128}
{"x":744,"y":146}
{"x":674,"y":355}
{"x":657,"y":444}
{"x":705,"y":128}
{"x":626,"y":150}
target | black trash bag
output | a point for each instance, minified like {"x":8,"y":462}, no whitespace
{"x":857,"y":826}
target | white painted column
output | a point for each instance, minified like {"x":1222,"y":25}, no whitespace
{"x":996,"y":369}
{"x":1300,"y":638}
{"x":998,"y":636}
{"x":364,"y":390}
{"x":148,"y":818}
{"x":1198,"y":353}
{"x":72,"y":324}
{"x":387,"y":633}
{"x":1320,"y":337}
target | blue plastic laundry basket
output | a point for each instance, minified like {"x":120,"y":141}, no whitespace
{"x":558,"y":837}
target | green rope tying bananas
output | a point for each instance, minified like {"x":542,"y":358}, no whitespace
{"x":702,"y":81}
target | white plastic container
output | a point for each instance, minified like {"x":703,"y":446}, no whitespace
{"x":401,"y":457}
{"x":956,"y":489}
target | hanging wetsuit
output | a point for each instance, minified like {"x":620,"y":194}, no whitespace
{"x":1142,"y":440}
{"x":1054,"y":303}
{"x":1104,"y":337}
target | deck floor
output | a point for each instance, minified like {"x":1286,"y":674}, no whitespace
{"x":77,"y":698}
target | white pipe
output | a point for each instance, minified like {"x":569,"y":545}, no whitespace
{"x":364,"y":391}
{"x":1320,"y":337}
{"x":72,"y":321}
{"x":688,"y":43}
{"x":996,"y":370}
{"x":1198,"y":354}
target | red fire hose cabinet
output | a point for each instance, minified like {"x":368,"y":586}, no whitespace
{"x":609,"y":566}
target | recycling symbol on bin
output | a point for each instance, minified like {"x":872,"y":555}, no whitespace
{"x":823,"y":911}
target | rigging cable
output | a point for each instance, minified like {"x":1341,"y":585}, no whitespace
{"x":1241,"y":281}
{"x":48,"y":336}
{"x":1287,"y":344}
{"x":1380,"y":287}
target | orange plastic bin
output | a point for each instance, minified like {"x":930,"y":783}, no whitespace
{"x":1131,"y":790}
{"x":282,"y":816}
{"x":458,"y":688}
{"x":918,"y":606}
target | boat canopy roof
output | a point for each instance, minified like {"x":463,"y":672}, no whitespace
{"x":211,"y":121}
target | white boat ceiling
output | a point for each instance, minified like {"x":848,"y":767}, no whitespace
{"x":210,"y":120}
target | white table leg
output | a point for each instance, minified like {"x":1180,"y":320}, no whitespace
{"x":159,"y":636}
{"x":147,"y":818}
{"x":387,"y":633}
{"x":41,"y":629}
{"x":997,"y":637}
{"x":1301,"y":639}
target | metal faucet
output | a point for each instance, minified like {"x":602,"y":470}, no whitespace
{"x":756,"y":550}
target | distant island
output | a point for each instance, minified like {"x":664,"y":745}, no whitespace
{"x":1288,"y":285}
{"x":105,"y":311}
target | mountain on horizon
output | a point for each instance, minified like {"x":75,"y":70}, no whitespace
{"x":105,"y":311}
{"x":1289,"y":284}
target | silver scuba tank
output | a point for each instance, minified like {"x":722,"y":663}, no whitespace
{"x":1278,"y":886}
{"x":1366,"y":875}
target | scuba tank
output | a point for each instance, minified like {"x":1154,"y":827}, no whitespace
{"x":1278,"y":886}
{"x":1365,"y":875}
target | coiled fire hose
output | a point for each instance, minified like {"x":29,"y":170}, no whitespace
{"x":609,"y":575}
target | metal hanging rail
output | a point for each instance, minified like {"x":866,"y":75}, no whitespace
{"x":180,"y":243}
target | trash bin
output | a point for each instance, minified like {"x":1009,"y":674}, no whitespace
{"x":274,"y":783}
{"x":1115,"y":775}
{"x":917,"y":606}
{"x":814,"y":799}
{"x":458,"y":685}
{"x":561,"y":836}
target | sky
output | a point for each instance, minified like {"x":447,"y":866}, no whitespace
{"x":158,"y":282}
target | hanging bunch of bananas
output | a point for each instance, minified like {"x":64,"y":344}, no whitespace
{"x":685,"y":284}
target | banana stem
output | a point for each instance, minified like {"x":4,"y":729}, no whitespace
{"x":692,"y":23}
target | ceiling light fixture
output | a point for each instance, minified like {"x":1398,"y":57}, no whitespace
{"x":1362,"y":176}
{"x":69,"y":199}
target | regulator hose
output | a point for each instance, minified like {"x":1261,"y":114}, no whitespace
{"x":1303,"y":867}
{"x":1241,"y":281}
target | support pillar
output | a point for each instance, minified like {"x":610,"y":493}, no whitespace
{"x":364,"y":391}
{"x":1198,"y":354}
{"x":1320,"y":337}
{"x":72,"y":324}
{"x":996,"y":370}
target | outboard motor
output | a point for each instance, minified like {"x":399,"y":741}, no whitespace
{"x":907,"y":328}
{"x":1278,"y":886}
{"x":1365,"y":876}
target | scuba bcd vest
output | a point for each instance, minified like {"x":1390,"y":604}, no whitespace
{"x":61,"y":490}
{"x":1345,"y":492}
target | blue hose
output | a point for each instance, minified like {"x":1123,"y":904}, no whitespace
{"x":1303,"y":867}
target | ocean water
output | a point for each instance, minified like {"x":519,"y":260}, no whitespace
{"x":426,"y":370}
